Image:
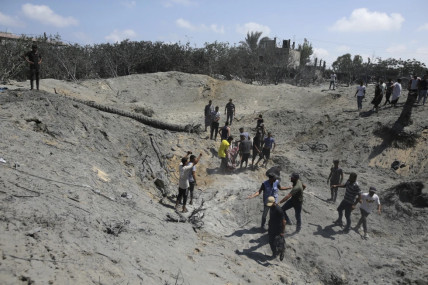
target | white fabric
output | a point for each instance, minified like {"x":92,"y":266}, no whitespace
{"x":333,"y":77}
{"x":368,"y":203}
{"x":396,"y":91}
{"x":383,"y":88}
{"x":361,"y":90}
{"x":183,"y":182}
{"x":191,"y":174}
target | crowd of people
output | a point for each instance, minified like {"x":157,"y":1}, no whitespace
{"x":392,"y":92}
{"x":261,"y":145}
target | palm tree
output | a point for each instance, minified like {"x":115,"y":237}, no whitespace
{"x":251,"y":41}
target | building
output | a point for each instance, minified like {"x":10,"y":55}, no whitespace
{"x":283,"y":56}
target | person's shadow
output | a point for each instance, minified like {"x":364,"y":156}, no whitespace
{"x":326,"y":232}
{"x":366,"y":114}
{"x":258,"y":257}
{"x":214,"y":152}
{"x":240,"y":233}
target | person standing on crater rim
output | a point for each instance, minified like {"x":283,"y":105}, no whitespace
{"x":335,"y":177}
{"x":349,"y":200}
{"x":269,"y":188}
{"x":229,"y":110}
{"x":34,"y":58}
{"x":368,"y":202}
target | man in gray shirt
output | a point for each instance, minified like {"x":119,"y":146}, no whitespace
{"x":244,"y":150}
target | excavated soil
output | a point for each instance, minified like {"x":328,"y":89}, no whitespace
{"x":87,"y":197}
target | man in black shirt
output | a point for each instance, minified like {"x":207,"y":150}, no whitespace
{"x":229,"y":110}
{"x":276,"y":228}
{"x":34,"y":58}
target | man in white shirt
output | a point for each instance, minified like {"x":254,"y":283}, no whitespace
{"x":396,"y":92}
{"x":361,"y":92}
{"x":368,"y":203}
{"x":185,"y":169}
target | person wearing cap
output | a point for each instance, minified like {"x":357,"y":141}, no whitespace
{"x":269,"y":188}
{"x":368,"y":202}
{"x":349,"y":200}
{"x":229,"y":110}
{"x":294,"y":200}
{"x":276,"y":228}
{"x":34,"y":58}
{"x":335,"y":177}
{"x":223,"y":152}
{"x":185,"y":169}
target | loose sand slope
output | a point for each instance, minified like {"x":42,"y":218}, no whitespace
{"x":63,"y":220}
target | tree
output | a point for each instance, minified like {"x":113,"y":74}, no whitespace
{"x":251,"y":41}
{"x":305,"y":52}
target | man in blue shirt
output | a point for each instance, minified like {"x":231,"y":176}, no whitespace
{"x":269,"y":188}
{"x":268,"y":147}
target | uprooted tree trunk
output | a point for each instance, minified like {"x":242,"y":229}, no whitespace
{"x":140,"y":118}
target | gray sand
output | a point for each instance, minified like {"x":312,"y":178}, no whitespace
{"x":64,"y":220}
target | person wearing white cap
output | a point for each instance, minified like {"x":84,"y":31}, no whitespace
{"x":368,"y":202}
{"x":276,"y":228}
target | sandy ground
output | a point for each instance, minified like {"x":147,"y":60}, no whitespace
{"x":66,"y":219}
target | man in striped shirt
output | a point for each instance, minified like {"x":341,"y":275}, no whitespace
{"x":349,"y":201}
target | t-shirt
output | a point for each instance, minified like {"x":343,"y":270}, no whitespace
{"x":270,"y":190}
{"x":333,"y":77}
{"x":223,"y":147}
{"x":259,"y":122}
{"x":276,"y":217}
{"x":297,"y":192}
{"x":230,"y":107}
{"x":352,"y":191}
{"x":245,"y":146}
{"x":414,"y":83}
{"x":208,"y":110}
{"x":268,"y":142}
{"x":396,"y":91}
{"x":368,"y":203}
{"x":215,"y":116}
{"x":361,"y":90}
{"x":184,"y":170}
{"x":191,"y":179}
{"x":336,"y":173}
{"x":383,"y":88}
{"x":245,"y":134}
{"x":34,"y":57}
{"x":389,"y":86}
